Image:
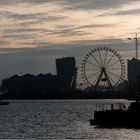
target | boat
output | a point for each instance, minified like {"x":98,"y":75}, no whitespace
{"x":1,"y":99}
{"x":4,"y":103}
{"x":117,"y":115}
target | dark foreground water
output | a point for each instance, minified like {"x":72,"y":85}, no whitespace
{"x":57,"y":119}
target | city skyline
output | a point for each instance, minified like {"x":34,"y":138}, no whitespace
{"x":36,"y":32}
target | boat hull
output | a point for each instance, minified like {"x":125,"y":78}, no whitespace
{"x":116,"y":119}
{"x":4,"y":103}
{"x":115,"y":124}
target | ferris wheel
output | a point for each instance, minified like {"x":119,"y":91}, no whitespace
{"x":103,"y":69}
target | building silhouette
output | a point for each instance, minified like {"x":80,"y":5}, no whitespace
{"x":66,"y":68}
{"x":134,"y":74}
{"x":29,"y":85}
{"x":133,"y":68}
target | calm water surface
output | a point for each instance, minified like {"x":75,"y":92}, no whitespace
{"x":57,"y":119}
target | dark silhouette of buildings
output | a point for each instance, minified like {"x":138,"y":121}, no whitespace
{"x":63,"y":84}
{"x":31,"y":86}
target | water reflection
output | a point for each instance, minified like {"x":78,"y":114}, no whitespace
{"x":56,"y":119}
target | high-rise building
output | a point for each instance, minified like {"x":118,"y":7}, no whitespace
{"x":133,"y":68}
{"x":66,"y":68}
{"x":133,"y":72}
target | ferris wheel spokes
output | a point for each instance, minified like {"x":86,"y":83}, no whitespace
{"x":93,"y":74}
{"x":105,"y":57}
{"x":93,"y":64}
{"x":96,"y":60}
{"x":110,"y":59}
{"x":103,"y":68}
{"x":100,"y":58}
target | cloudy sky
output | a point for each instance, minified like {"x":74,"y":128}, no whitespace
{"x":33,"y":33}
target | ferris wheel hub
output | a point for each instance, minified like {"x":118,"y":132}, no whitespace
{"x":103,"y":69}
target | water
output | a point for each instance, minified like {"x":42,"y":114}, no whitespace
{"x":57,"y":119}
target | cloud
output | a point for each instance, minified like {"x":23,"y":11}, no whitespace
{"x":95,"y":26}
{"x":38,"y":1}
{"x":66,"y":32}
{"x":94,"y":4}
{"x":2,"y":42}
{"x":22,"y":30}
{"x":75,"y":4}
{"x":110,"y":39}
{"x":20,"y":33}
{"x":32,"y":33}
{"x":40,"y":17}
{"x":17,"y":36}
{"x":128,"y":12}
{"x":121,"y":13}
{"x":17,"y":16}
{"x":50,"y":25}
{"x":5,"y":2}
{"x":70,"y":30}
{"x":64,"y":26}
